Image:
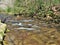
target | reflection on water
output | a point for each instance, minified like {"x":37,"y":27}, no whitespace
{"x":23,"y":28}
{"x":23,"y":24}
{"x":27,"y":20}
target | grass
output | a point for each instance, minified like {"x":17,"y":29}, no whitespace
{"x":31,"y":7}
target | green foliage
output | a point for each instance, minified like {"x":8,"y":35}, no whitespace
{"x":25,"y":6}
{"x":2,"y":10}
{"x":32,"y":6}
{"x":29,"y":7}
{"x":8,"y":9}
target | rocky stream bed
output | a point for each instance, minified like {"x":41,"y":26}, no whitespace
{"x":28,"y":31}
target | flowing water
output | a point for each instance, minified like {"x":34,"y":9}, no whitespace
{"x":28,"y":31}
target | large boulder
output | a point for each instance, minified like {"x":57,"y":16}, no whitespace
{"x":2,"y":30}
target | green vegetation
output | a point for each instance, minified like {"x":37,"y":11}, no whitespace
{"x":33,"y":7}
{"x":29,"y":6}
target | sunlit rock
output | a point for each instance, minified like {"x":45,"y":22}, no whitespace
{"x":2,"y":30}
